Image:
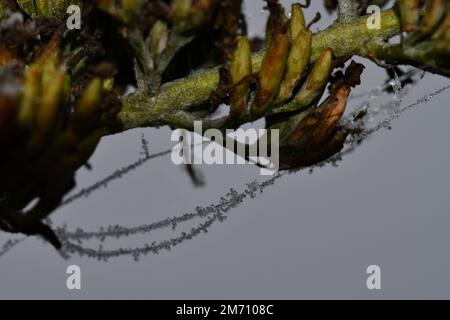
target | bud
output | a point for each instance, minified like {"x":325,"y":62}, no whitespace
{"x":443,"y":47}
{"x":88,"y":145}
{"x":181,"y":8}
{"x":29,"y":6}
{"x":434,"y":14}
{"x":443,"y":27}
{"x":331,"y":112}
{"x":180,"y":11}
{"x":52,"y":85}
{"x":3,"y":9}
{"x":297,"y":22}
{"x":409,"y":14}
{"x":89,"y":102}
{"x":31,"y":90}
{"x":158,"y":40}
{"x":314,"y":156}
{"x":297,"y":64}
{"x":129,"y":9}
{"x":272,"y":70}
{"x":6,"y":117}
{"x":435,"y":11}
{"x":240,"y":68}
{"x":5,"y":56}
{"x":315,"y":137}
{"x":46,"y":8}
{"x":316,"y":80}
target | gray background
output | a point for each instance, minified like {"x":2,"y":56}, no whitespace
{"x":309,"y":236}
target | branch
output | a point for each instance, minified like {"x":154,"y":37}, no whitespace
{"x":347,"y":11}
{"x":422,"y":55}
{"x":169,"y":106}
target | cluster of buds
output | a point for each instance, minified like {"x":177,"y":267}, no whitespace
{"x":427,"y":28}
{"x":39,"y":8}
{"x":59,"y":94}
{"x":46,"y":133}
{"x":431,"y":20}
{"x":288,"y":89}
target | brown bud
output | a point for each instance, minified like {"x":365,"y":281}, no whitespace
{"x":272,"y":70}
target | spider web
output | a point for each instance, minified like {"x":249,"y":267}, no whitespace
{"x":74,"y":241}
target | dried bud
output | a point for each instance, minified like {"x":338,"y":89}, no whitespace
{"x":277,"y":16}
{"x":332,"y":146}
{"x":331,"y":112}
{"x":272,"y":70}
{"x":315,"y":136}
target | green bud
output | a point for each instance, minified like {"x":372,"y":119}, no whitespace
{"x":443,"y":27}
{"x":434,"y":14}
{"x":46,"y":8}
{"x":52,"y":85}
{"x":29,"y":6}
{"x":297,"y":22}
{"x":317,"y":79}
{"x":3,"y":9}
{"x":181,"y":8}
{"x":89,"y":101}
{"x":240,"y":68}
{"x":158,"y":39}
{"x":31,"y":92}
{"x":297,"y":64}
